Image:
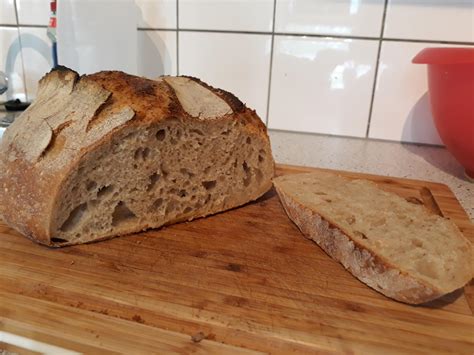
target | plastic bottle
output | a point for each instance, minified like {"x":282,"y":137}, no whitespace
{"x":52,"y":33}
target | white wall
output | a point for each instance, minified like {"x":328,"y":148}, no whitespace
{"x":338,"y":67}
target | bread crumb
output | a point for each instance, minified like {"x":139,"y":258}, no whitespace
{"x":72,"y":262}
{"x":138,"y":319}
{"x":196,"y":338}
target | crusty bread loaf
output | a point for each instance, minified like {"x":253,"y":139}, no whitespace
{"x":108,"y":154}
{"x":396,"y":247}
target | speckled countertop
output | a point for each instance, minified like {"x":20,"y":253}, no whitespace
{"x":375,"y":157}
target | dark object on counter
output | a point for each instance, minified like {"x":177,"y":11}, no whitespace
{"x":16,"y":105}
{"x":451,"y":89}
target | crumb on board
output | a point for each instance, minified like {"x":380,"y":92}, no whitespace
{"x":72,"y":262}
{"x":196,"y":338}
{"x":138,"y":319}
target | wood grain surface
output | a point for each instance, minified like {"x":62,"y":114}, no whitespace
{"x":243,"y":281}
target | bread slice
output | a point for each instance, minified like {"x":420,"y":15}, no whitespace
{"x":396,"y":247}
{"x":110,"y":154}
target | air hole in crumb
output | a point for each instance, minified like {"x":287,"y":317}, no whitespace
{"x":122,"y":214}
{"x":186,"y":172}
{"x":209,"y":185}
{"x":137,"y":153}
{"x":417,"y":243}
{"x":160,"y":135}
{"x":196,"y":131}
{"x":226,"y":132}
{"x":248,"y":140}
{"x":259,"y":175}
{"x":104,"y":191}
{"x":351,"y":220}
{"x":182,"y":193}
{"x":248,"y":176}
{"x":164,"y":170}
{"x":207,"y":170}
{"x":187,"y":209}
{"x":154,"y":178}
{"x":146,"y":153}
{"x":427,"y":268}
{"x":91,"y":185}
{"x":171,"y":206}
{"x":173,"y":141}
{"x":74,"y":218}
{"x":158,"y":203}
{"x":142,"y":153}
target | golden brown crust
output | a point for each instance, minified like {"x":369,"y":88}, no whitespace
{"x":29,"y":187}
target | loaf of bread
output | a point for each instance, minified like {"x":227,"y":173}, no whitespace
{"x":108,"y":154}
{"x":396,"y":247}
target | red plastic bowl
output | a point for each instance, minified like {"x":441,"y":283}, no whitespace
{"x":451,"y":91}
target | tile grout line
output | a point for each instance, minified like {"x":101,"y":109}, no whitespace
{"x":21,"y":50}
{"x":377,"y":64}
{"x":302,"y":34}
{"x":327,"y":35}
{"x":177,"y":37}
{"x":25,"y":25}
{"x":272,"y":44}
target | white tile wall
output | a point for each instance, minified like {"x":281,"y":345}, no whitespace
{"x":37,"y":57}
{"x":437,"y":20}
{"x":157,"y":53}
{"x":239,"y":63}
{"x":11,"y":63}
{"x":237,"y":15}
{"x":33,"y":12}
{"x":156,"y":13}
{"x":7,"y":12}
{"x":322,"y":85}
{"x":401,"y":109}
{"x":318,"y":84}
{"x":340,"y":17}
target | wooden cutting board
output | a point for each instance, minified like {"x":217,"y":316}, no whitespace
{"x":243,"y":281}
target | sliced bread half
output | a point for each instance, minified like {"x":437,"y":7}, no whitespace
{"x":396,"y":247}
{"x":102,"y":155}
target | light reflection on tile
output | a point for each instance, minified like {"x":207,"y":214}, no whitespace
{"x":341,"y":17}
{"x":322,"y":85}
{"x":239,"y":63}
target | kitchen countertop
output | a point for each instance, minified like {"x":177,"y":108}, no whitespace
{"x":406,"y":160}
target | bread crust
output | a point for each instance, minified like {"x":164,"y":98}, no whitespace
{"x":363,"y":263}
{"x":34,"y":165}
